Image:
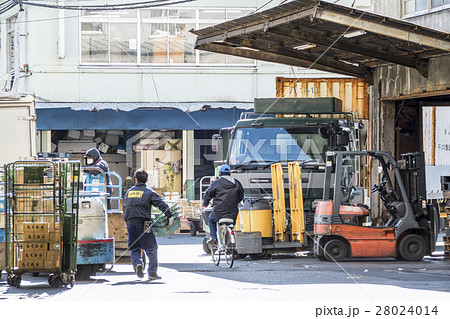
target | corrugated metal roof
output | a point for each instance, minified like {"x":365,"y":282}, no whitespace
{"x":326,"y":36}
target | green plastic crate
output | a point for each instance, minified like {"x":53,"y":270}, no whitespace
{"x":161,"y":227}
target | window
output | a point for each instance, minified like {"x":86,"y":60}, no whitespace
{"x":262,"y":146}
{"x":152,"y":36}
{"x":412,"y":7}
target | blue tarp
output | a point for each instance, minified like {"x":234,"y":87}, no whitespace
{"x":138,"y":119}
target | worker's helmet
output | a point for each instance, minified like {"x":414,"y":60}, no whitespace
{"x":224,"y":169}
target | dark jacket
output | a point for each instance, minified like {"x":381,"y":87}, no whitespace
{"x":137,"y":204}
{"x":227,"y":192}
{"x":100,"y":163}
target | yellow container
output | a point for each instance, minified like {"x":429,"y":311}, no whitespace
{"x":256,"y":215}
{"x":237,"y":226}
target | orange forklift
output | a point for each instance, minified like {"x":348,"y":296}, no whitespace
{"x":342,"y":224}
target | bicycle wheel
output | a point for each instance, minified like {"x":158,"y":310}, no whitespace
{"x":215,"y":254}
{"x":230,"y":248}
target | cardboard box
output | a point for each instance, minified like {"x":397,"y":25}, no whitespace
{"x":35,"y":247}
{"x":2,"y":220}
{"x":47,"y":205}
{"x":19,"y":175}
{"x":18,"y":225}
{"x":52,"y":259}
{"x":34,"y":254}
{"x":36,"y":232}
{"x":173,"y":144}
{"x":30,"y":264}
{"x":27,"y":205}
{"x":35,"y":227}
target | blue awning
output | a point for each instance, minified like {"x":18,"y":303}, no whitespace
{"x":67,"y":118}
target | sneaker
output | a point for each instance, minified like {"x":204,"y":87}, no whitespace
{"x":154,"y":277}
{"x":211,"y":241}
{"x":140,"y":271}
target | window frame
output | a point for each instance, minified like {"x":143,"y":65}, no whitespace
{"x":428,"y":10}
{"x":139,"y":20}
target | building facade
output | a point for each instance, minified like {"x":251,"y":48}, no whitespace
{"x":130,"y":82}
{"x":410,"y":111}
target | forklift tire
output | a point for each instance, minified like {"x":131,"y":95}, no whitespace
{"x":335,"y":250}
{"x":193,"y":228}
{"x":412,"y":247}
{"x":206,"y":248}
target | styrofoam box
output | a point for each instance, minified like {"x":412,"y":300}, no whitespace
{"x":89,"y":133}
{"x":103,"y":147}
{"x":74,"y":134}
{"x":75,"y":146}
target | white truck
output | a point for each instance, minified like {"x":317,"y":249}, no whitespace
{"x":17,"y":127}
{"x":17,"y":141}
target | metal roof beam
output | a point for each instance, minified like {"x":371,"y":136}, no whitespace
{"x":318,"y":60}
{"x":261,"y":26}
{"x":265,"y":56}
{"x":380,"y":28}
{"x":344,"y":45}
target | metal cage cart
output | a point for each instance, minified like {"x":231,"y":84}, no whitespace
{"x":41,"y":208}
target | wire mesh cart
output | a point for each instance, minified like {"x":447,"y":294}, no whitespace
{"x":41,"y":208}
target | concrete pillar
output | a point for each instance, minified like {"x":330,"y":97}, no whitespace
{"x":188,"y":164}
{"x":44,"y":141}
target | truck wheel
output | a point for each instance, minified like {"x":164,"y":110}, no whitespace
{"x":412,"y":247}
{"x":335,"y":250}
{"x":206,"y":248}
{"x":83,"y":272}
{"x":258,"y":256}
{"x":193,"y":228}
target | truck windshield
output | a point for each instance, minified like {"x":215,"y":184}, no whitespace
{"x":260,"y":146}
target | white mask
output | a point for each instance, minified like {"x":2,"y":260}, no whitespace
{"x":90,"y":161}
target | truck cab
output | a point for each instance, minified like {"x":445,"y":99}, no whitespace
{"x":290,"y":130}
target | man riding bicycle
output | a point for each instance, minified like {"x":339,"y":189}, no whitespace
{"x":227,"y":192}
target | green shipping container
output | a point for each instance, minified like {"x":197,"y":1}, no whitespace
{"x":298,"y":105}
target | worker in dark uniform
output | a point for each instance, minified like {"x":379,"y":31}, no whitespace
{"x":137,"y":205}
{"x":94,"y":159}
{"x":227,"y":193}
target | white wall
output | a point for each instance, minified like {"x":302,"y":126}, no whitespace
{"x":64,"y":80}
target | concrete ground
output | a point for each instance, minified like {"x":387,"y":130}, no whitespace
{"x":188,"y":276}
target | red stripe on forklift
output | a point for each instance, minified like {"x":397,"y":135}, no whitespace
{"x":95,"y":241}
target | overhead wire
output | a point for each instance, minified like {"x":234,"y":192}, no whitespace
{"x":107,"y":7}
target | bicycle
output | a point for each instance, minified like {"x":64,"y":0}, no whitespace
{"x":226,"y":242}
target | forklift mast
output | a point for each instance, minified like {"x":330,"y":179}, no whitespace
{"x":413,"y":165}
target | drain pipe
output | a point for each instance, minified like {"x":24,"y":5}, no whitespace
{"x":61,"y":32}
